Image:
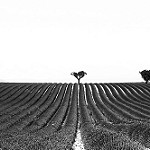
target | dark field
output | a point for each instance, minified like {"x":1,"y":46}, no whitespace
{"x":46,"y":116}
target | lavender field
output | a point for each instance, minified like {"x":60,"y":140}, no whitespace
{"x":48,"y":116}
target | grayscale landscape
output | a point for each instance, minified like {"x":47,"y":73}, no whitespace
{"x":74,"y":75}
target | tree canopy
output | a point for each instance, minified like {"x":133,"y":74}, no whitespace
{"x":79,"y":75}
{"x":145,"y":75}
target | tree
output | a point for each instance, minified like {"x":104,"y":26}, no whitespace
{"x":79,"y":75}
{"x":145,"y":75}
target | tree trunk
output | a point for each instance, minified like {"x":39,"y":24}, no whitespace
{"x":78,"y":81}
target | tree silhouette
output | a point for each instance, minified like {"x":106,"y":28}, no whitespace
{"x":145,"y":75}
{"x":79,"y":75}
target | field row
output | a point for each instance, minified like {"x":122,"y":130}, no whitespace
{"x":34,"y":106}
{"x":51,"y":107}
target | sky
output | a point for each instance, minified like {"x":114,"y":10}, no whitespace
{"x":46,"y":40}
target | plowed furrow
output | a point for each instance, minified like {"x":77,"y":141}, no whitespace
{"x":71,"y":116}
{"x":97,"y":115}
{"x":123,"y":92}
{"x":85,"y":119}
{"x":16,"y":118}
{"x":28,"y":98}
{"x":124,"y":107}
{"x":4,"y":90}
{"x":128,"y":103}
{"x":56,"y":121}
{"x":110,"y":115}
{"x":132,"y":93}
{"x":47,"y":114}
{"x":33,"y":110}
{"x":140,"y":91}
{"x":119,"y":111}
{"x":137,"y":93}
{"x":24,"y":98}
{"x":144,"y":90}
{"x":13,"y":99}
{"x":7,"y":94}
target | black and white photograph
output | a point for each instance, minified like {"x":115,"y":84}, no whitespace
{"x":74,"y":75}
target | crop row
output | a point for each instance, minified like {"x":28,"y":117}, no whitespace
{"x":53,"y":107}
{"x":37,"y":105}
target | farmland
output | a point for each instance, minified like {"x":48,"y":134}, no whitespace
{"x":47,"y":116}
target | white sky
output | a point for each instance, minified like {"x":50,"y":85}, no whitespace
{"x":46,"y":40}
